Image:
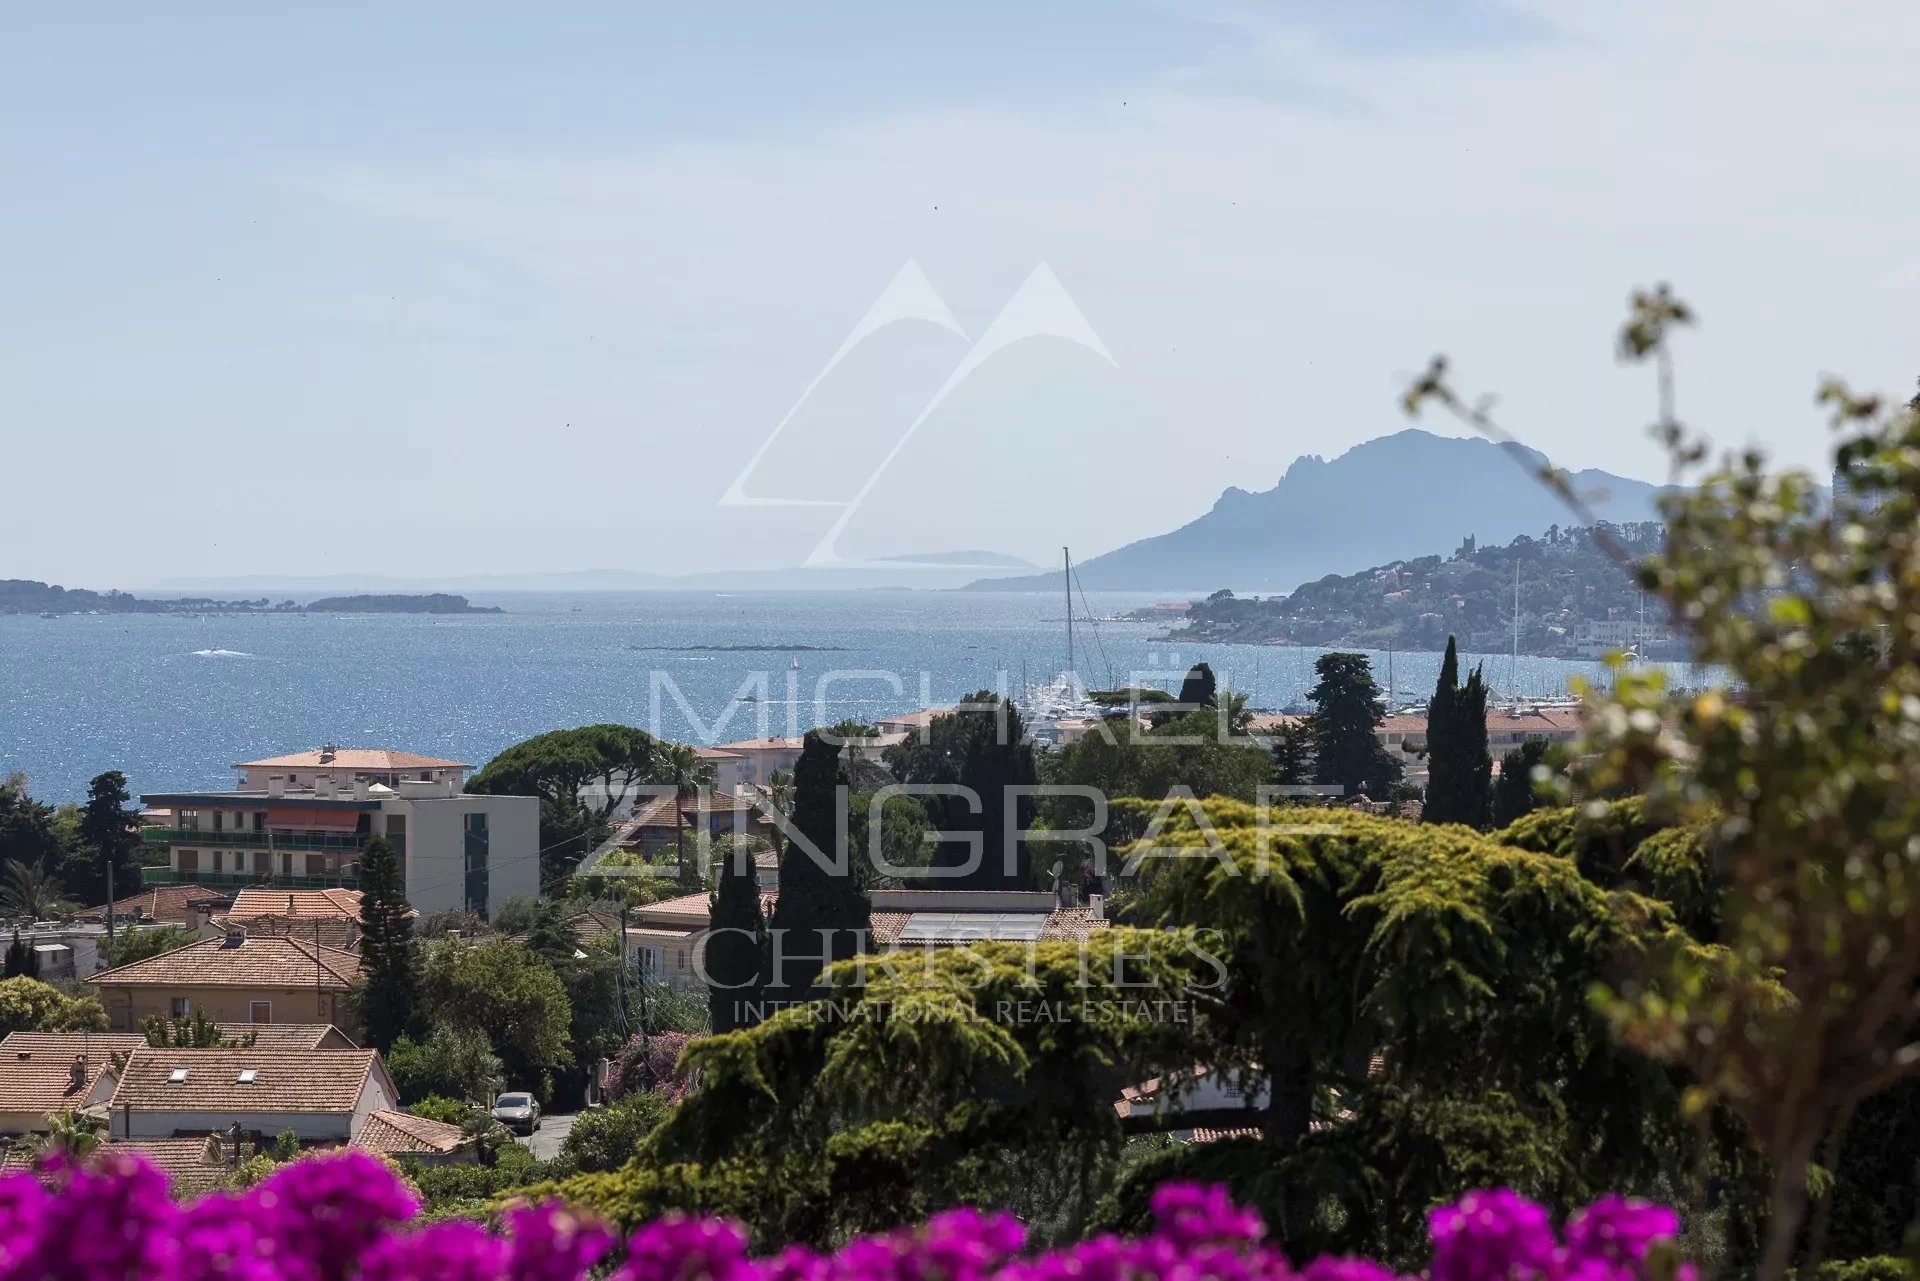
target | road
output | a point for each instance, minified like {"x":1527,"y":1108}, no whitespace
{"x":546,"y":1141}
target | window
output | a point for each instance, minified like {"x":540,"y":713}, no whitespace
{"x":246,"y":1076}
{"x":263,"y":863}
{"x":650,"y":960}
{"x":177,"y":1007}
{"x":187,"y":860}
{"x":190,"y":820}
{"x":177,"y":1077}
{"x":259,"y":1011}
{"x":216,"y":860}
{"x":259,"y":820}
{"x":476,"y":862}
{"x":396,"y":825}
{"x":316,"y":865}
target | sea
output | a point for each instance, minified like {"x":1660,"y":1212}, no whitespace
{"x":173,"y":701}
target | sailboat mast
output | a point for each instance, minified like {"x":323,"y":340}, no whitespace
{"x":1513,"y":664}
{"x":1066,"y":577}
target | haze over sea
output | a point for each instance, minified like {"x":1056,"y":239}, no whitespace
{"x":173,"y":701}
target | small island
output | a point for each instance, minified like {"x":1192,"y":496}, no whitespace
{"x":430,"y":603}
{"x":26,"y":596}
{"x":741,"y":649}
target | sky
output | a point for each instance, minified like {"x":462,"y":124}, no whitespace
{"x":451,"y":289}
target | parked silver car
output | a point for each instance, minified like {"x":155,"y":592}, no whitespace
{"x":518,"y":1112}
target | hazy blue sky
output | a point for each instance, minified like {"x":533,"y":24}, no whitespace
{"x":452,"y":288}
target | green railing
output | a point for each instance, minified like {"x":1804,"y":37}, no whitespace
{"x":343,"y":843}
{"x":150,"y":876}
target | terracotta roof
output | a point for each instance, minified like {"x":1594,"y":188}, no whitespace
{"x":660,"y":812}
{"x":1215,"y":1136}
{"x":260,"y":901}
{"x":687,"y":910}
{"x":171,"y":902}
{"x":192,"y":1166}
{"x":763,"y":745}
{"x":326,"y":1081}
{"x":397,"y":1132}
{"x":590,"y":925}
{"x":68,"y":1044}
{"x":249,"y":963}
{"x":367,"y":758}
{"x":330,"y":931}
{"x":914,"y":720}
{"x":286,"y":1036}
{"x":714,"y":754}
{"x":43,"y":1081}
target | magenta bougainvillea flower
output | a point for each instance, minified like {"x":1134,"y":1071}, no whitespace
{"x":347,"y":1217}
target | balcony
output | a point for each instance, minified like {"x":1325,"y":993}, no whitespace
{"x":294,"y":842}
{"x":152,"y":876}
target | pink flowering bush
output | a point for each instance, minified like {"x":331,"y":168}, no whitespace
{"x":345,"y":1217}
{"x":650,"y":1063}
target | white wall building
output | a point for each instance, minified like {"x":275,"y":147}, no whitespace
{"x":302,"y":822}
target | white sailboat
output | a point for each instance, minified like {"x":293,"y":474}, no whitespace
{"x":1064,"y":698}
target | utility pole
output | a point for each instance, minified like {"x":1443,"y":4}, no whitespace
{"x":623,"y":970}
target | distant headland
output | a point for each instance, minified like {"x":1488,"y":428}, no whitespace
{"x":25,"y":596}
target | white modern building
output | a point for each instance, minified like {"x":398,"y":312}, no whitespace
{"x":302,"y":821}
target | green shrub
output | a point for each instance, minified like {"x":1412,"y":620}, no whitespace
{"x":1879,"y":1267}
{"x":607,"y":1138}
{"x":438,"y":1107}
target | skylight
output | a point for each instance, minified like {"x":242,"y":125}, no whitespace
{"x":1003,"y":927}
{"x":246,"y":1076}
{"x":177,"y":1076}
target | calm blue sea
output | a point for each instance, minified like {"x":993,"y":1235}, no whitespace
{"x":173,"y":701}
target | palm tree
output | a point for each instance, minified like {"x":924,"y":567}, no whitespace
{"x":32,"y":890}
{"x":682,"y":767}
{"x":75,"y":1133}
{"x":780,"y":790}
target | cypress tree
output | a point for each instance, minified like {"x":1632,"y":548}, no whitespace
{"x":822,"y":913}
{"x":1470,"y":727}
{"x":1444,"y":801}
{"x":386,"y":944}
{"x":1459,"y":766}
{"x":1513,"y":795}
{"x":995,"y":760}
{"x":20,"y":961}
{"x":1198,"y":690}
{"x":736,"y":944}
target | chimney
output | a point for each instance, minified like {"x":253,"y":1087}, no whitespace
{"x":276,"y":785}
{"x":236,"y":935}
{"x":327,"y":754}
{"x":1097,"y":904}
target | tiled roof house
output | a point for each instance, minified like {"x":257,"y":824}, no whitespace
{"x":318,"y":1094}
{"x":394,"y":1133}
{"x":237,"y":978}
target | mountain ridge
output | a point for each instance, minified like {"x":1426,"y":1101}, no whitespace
{"x":1390,"y":498}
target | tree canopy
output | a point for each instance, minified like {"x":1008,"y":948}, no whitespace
{"x":504,"y":991}
{"x":1346,"y":714}
{"x":608,"y":763}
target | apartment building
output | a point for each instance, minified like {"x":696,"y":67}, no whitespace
{"x":301,"y":821}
